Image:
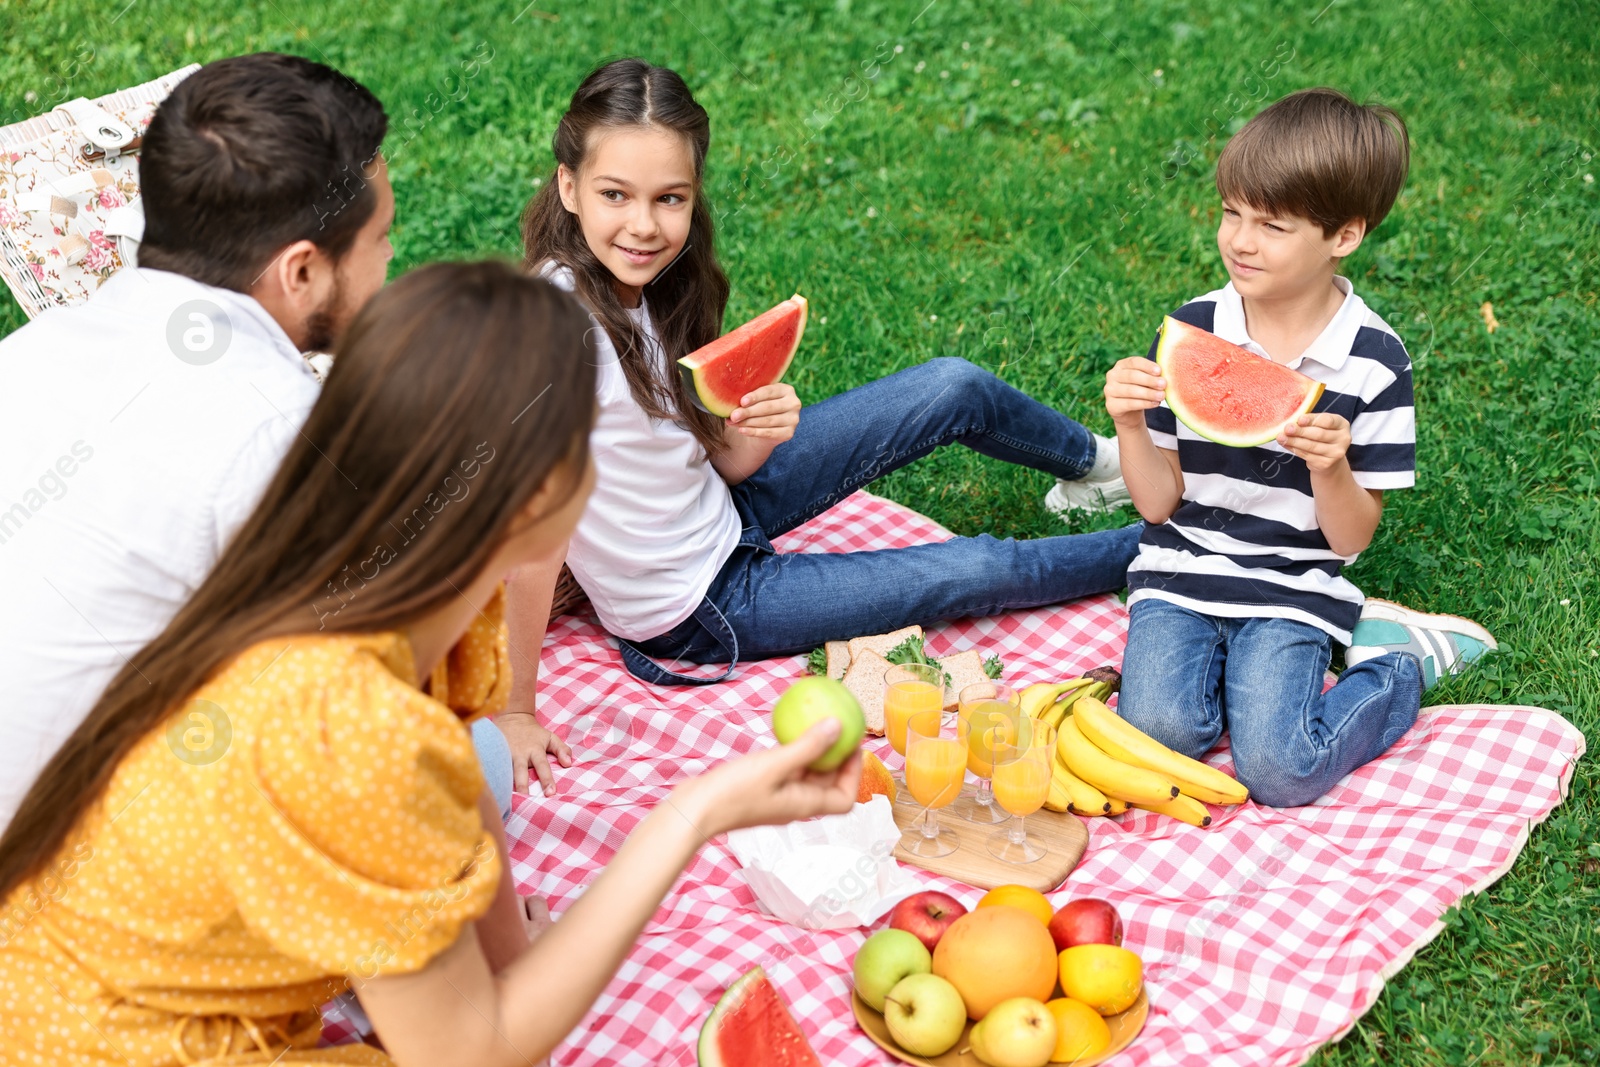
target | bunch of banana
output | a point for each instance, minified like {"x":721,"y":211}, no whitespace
{"x":1124,"y":763}
{"x":1104,"y":765}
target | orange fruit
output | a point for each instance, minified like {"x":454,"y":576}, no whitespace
{"x":1080,"y":1032}
{"x":1020,"y":896}
{"x":1105,"y":977}
{"x":875,"y":778}
{"x":996,"y":953}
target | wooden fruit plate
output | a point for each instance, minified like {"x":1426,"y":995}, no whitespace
{"x":1124,"y":1028}
{"x":1062,"y":834}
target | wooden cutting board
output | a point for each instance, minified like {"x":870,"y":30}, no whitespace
{"x":1062,"y":834}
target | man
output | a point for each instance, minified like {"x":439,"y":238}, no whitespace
{"x":145,"y":423}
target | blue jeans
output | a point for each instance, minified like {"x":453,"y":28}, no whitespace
{"x":494,"y":757}
{"x":781,"y":603}
{"x":1187,"y":676}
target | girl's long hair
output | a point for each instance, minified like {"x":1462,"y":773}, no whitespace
{"x":456,"y":392}
{"x":688,"y":297}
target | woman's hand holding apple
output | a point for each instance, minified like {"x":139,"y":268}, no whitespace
{"x":770,"y":786}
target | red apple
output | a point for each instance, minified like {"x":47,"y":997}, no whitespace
{"x":927,"y":915}
{"x":1087,"y":921}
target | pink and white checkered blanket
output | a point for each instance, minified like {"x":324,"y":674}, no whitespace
{"x":1262,"y":937}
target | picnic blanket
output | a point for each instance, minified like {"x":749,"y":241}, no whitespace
{"x":1262,"y":937}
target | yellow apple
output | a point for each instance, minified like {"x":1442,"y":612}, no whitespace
{"x":1020,"y":1032}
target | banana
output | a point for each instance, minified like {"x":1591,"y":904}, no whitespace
{"x":1120,"y":739}
{"x":1184,"y":808}
{"x":1082,"y":797}
{"x":1059,"y":799}
{"x":1040,"y":695}
{"x":1117,"y":806}
{"x":1053,"y":714}
{"x":1136,"y":785}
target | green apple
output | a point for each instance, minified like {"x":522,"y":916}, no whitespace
{"x":1020,"y":1032}
{"x":885,"y":958}
{"x":925,"y":1014}
{"x":809,"y":701}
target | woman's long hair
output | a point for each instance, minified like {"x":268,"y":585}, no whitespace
{"x":457,"y":392}
{"x":688,"y":297}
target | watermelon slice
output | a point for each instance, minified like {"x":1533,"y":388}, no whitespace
{"x":756,"y":354}
{"x":1226,"y":393}
{"x":751,"y":1027}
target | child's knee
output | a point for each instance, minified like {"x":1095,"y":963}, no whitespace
{"x":953,"y":372}
{"x":1277,"y":787}
{"x":1274,"y":776}
{"x":1181,"y":728}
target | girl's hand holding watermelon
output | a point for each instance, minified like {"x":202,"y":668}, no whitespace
{"x":765,"y":418}
{"x":1321,"y":439}
{"x":771,"y":412}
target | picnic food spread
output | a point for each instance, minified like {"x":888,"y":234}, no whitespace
{"x":938,"y":966}
{"x":1226,"y":393}
{"x":748,"y":357}
{"x":999,"y":966}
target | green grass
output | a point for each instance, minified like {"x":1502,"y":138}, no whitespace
{"x":1029,"y":185}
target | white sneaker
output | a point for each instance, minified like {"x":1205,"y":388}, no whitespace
{"x":1092,"y":494}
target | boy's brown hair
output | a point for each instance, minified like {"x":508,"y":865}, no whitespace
{"x":1319,"y":155}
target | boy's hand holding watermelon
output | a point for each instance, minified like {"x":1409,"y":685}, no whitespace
{"x":1322,"y":439}
{"x":1133,"y":386}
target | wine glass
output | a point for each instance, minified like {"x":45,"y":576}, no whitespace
{"x":908,"y":689}
{"x":991,"y":710}
{"x":1022,"y":770}
{"x":936,"y":765}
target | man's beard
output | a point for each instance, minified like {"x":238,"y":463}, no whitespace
{"x":326,"y":323}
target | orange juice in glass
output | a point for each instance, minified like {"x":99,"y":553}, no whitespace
{"x":991,"y":711}
{"x":1021,"y":785}
{"x":907,"y":690}
{"x":936,"y":765}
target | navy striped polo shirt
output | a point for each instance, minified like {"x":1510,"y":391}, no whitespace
{"x":1244,"y":542}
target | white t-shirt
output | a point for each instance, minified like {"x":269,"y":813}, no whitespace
{"x":661,"y":522}
{"x":137,"y":439}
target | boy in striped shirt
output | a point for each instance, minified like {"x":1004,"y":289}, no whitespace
{"x":1236,"y":594}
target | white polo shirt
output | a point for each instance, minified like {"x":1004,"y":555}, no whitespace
{"x":1245,"y":541}
{"x":139,"y":432}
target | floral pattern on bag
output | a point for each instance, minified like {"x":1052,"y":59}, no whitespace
{"x":68,"y":255}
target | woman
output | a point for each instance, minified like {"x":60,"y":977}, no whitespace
{"x":277,"y":799}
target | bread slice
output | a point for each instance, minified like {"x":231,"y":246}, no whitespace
{"x":882,"y":643}
{"x":864,"y":679}
{"x":964,"y":668}
{"x":838,"y":658}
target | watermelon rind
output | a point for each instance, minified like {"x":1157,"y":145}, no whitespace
{"x":1173,"y":333}
{"x":708,"y":1054}
{"x":701,"y":393}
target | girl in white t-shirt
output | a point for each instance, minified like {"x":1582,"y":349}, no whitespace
{"x":674,"y":549}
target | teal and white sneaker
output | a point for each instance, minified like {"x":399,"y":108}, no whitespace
{"x":1101,"y":489}
{"x":1445,"y":644}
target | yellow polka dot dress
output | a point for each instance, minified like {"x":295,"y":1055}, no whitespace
{"x":311,"y":813}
